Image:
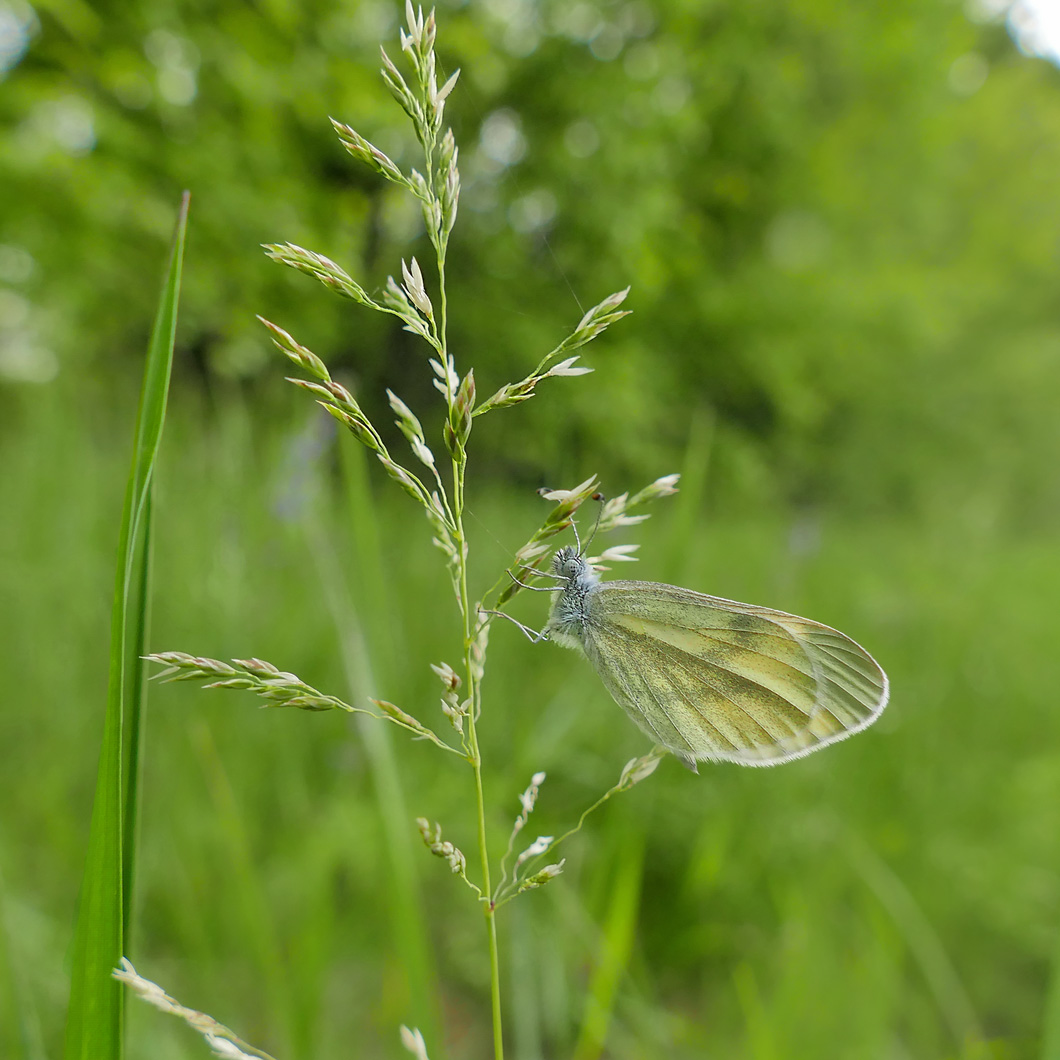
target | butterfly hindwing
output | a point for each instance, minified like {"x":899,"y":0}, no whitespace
{"x":717,"y":679}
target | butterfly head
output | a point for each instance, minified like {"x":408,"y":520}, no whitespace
{"x":573,"y":568}
{"x":570,"y":601}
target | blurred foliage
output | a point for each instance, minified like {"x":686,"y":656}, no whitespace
{"x":839,"y":220}
{"x":773,"y":915}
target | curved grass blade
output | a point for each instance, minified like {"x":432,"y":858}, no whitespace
{"x":362,"y":652}
{"x":1051,"y":1020}
{"x":94,"y":1016}
{"x":616,"y":949}
{"x":924,"y":944}
{"x":21,"y":1030}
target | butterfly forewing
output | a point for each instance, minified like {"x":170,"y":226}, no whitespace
{"x":716,"y":679}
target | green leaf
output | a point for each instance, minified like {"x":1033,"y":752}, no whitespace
{"x":94,"y":1017}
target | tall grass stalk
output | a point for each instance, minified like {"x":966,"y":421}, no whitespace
{"x":1051,"y":1015}
{"x":18,"y":1009}
{"x":925,"y":946}
{"x":94,"y":1018}
{"x":437,"y":486}
{"x":615,"y":951}
{"x":407,"y":917}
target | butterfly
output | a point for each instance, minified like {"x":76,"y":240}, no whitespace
{"x":713,"y":679}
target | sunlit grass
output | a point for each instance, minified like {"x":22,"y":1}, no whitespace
{"x":262,"y":842}
{"x":103,"y":929}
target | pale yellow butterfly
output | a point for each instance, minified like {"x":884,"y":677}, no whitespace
{"x":713,"y":679}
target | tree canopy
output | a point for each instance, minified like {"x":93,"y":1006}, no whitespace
{"x":839,"y":221}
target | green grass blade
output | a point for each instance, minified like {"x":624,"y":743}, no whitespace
{"x":136,"y":632}
{"x":761,"y":1042}
{"x":409,"y":916}
{"x":525,"y":1015}
{"x":21,"y":1032}
{"x":94,"y":1015}
{"x":263,"y":940}
{"x":616,"y":949}
{"x":923,"y":941}
{"x":1051,"y":1027}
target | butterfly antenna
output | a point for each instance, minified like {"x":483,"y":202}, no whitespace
{"x":596,"y":526}
{"x":533,"y":588}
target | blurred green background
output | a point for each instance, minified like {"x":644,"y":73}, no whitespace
{"x":841,"y":223}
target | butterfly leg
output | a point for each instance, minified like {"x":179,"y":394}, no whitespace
{"x":534,"y":636}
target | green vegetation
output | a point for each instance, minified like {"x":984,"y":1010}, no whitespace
{"x":842,"y":245}
{"x":94,"y":1022}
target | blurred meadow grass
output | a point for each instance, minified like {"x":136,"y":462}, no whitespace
{"x":880,"y":456}
{"x":752,"y":913}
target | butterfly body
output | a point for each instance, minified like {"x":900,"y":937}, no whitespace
{"x":715,"y":679}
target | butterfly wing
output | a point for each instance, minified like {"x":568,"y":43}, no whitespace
{"x":715,"y":679}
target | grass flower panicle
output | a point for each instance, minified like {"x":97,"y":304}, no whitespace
{"x":218,"y":1037}
{"x":413,"y":1041}
{"x":422,"y":307}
